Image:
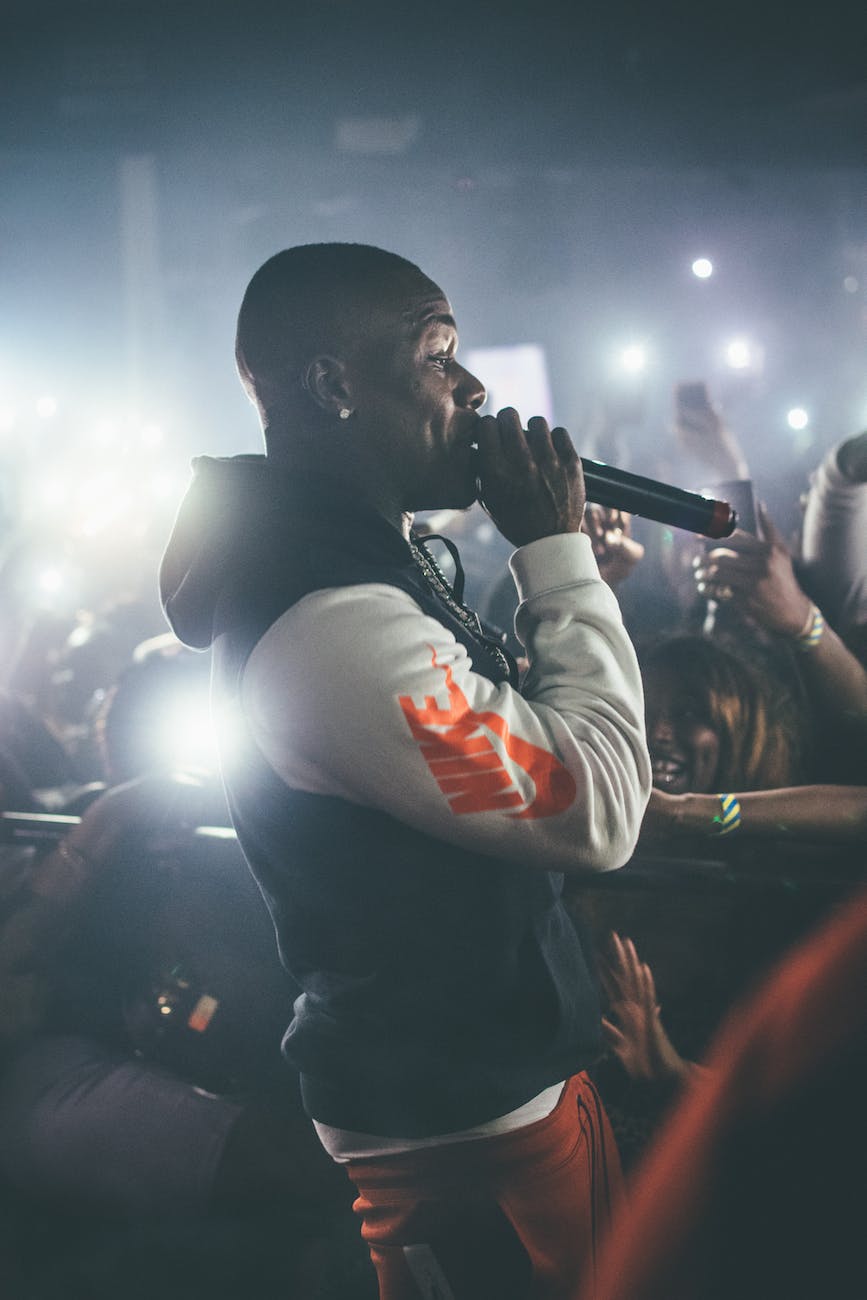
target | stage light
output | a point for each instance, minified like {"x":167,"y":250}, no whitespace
{"x":189,"y":738}
{"x":702,"y":268}
{"x":97,"y":489}
{"x":152,"y":436}
{"x":105,"y":433}
{"x":46,"y":407}
{"x":164,"y":486}
{"x":53,"y":493}
{"x":739,"y":354}
{"x":50,"y":581}
{"x":797,"y":418}
{"x":633,"y":359}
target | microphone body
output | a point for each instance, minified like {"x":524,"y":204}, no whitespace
{"x":620,"y":490}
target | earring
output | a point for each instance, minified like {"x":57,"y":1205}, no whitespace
{"x":344,"y":412}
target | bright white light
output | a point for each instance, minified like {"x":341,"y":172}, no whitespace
{"x":152,"y":436}
{"x":46,"y":407}
{"x":104,"y":433}
{"x":164,"y":486}
{"x":739,"y":354}
{"x":53,"y":493}
{"x":850,"y":284}
{"x":633,"y":359}
{"x":50,"y":580}
{"x":7,"y":420}
{"x":702,"y":267}
{"x":797,"y":418}
{"x":189,"y":738}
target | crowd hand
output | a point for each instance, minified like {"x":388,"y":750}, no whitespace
{"x":702,"y":433}
{"x":610,"y":532}
{"x":756,"y":574}
{"x":633,"y":1028}
{"x":530,"y":481}
{"x":155,"y":812}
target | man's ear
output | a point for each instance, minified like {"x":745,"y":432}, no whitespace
{"x":326,"y":381}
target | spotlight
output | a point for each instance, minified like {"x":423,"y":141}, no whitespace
{"x":152,"y":436}
{"x":188,"y":739}
{"x":53,"y":493}
{"x":50,"y":581}
{"x":797,"y":418}
{"x":633,"y":359}
{"x":46,"y":407}
{"x":702,"y":268}
{"x":165,"y":486}
{"x":739,"y":354}
{"x":850,"y":284}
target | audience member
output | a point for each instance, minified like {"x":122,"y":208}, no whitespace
{"x":755,"y":578}
{"x":754,"y":1186}
{"x":834,"y":542}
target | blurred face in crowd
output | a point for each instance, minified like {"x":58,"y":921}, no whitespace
{"x":684,"y":746}
{"x":413,"y":403}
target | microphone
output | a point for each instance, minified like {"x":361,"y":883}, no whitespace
{"x":620,"y":490}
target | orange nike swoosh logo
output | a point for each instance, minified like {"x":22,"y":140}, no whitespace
{"x":469,"y":770}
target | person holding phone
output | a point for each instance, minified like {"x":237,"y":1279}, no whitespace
{"x":755,"y":577}
{"x":408,"y":810}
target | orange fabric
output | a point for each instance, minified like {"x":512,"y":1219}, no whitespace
{"x":755,"y":1186}
{"x":467,"y":767}
{"x":514,"y":1217}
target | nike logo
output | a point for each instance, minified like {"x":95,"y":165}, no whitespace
{"x":457,"y":747}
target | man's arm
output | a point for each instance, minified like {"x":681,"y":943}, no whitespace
{"x":356,"y":692}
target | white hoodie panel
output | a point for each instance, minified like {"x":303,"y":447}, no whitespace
{"x":356,"y":692}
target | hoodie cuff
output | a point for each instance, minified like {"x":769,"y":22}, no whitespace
{"x":552,"y":562}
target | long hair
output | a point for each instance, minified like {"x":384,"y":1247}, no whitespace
{"x":756,"y":717}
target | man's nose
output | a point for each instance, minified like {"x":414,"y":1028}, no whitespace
{"x":469,"y":390}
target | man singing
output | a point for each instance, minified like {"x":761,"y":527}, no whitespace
{"x":407,"y":808}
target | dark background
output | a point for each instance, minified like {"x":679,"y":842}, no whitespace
{"x":556,"y":167}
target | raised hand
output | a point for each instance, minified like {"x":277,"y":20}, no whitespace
{"x":610,"y":532}
{"x":756,"y":575}
{"x":701,"y":431}
{"x":633,"y":1028}
{"x":530,"y":481}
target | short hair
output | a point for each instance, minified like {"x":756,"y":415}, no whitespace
{"x":301,"y":302}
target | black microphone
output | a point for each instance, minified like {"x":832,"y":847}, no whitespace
{"x":620,"y":490}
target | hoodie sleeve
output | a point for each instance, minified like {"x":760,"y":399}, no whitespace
{"x":356,"y":692}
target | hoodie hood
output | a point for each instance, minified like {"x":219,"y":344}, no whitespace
{"x":247,"y":534}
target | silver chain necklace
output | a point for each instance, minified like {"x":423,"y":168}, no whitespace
{"x":438,"y":582}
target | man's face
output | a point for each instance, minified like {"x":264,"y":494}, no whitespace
{"x":415,"y":405}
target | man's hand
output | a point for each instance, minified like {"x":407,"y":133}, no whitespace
{"x":530,"y":483}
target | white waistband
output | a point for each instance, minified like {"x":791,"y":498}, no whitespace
{"x":344,"y":1144}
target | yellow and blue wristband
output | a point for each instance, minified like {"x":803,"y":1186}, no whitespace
{"x":813,"y":630}
{"x":728,"y":819}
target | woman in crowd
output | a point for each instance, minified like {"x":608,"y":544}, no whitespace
{"x":730,"y":751}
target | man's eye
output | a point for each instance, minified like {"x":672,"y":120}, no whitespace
{"x":441,"y":359}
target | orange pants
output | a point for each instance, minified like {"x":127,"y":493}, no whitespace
{"x":514,"y":1217}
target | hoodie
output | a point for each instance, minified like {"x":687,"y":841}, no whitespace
{"x":407,"y":811}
